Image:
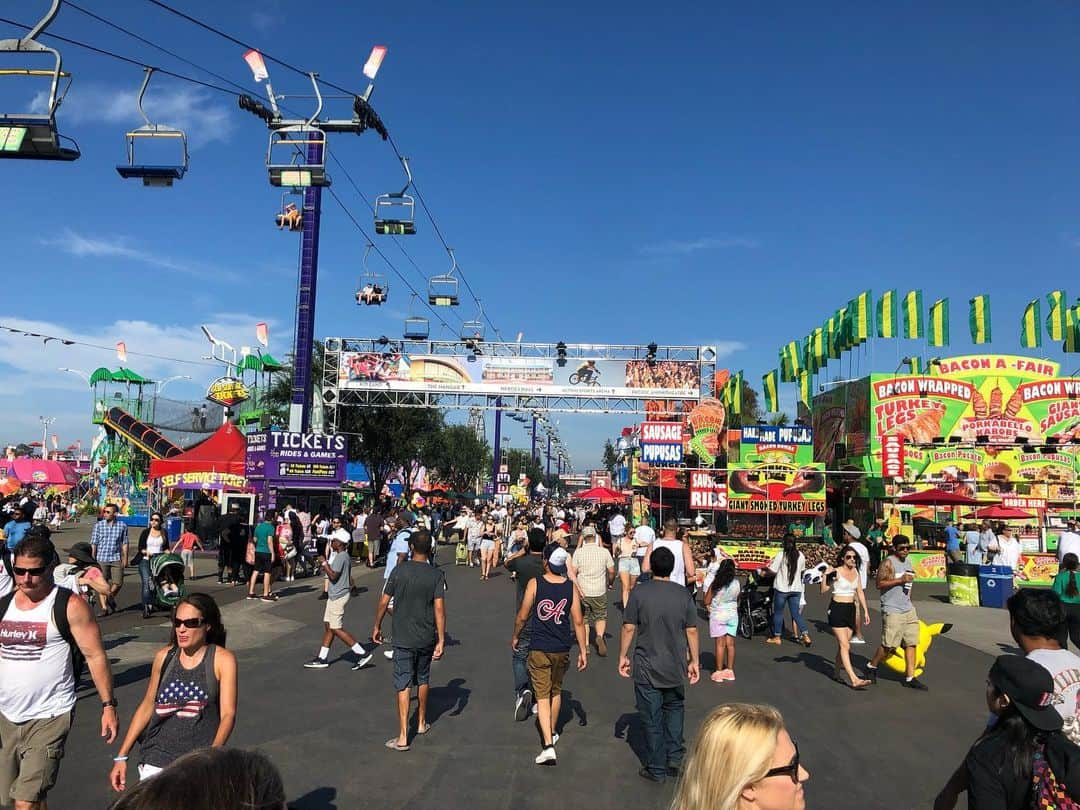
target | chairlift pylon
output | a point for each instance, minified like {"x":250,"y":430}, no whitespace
{"x":401,"y":204}
{"x":443,"y":289}
{"x":416,"y":326}
{"x":373,"y":287}
{"x":33,"y":135}
{"x":296,"y":155}
{"x":291,"y":216}
{"x":156,"y":175}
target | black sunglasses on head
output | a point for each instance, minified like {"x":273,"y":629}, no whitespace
{"x":191,"y":624}
{"x":791,"y":769}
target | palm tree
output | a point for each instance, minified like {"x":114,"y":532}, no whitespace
{"x":779,"y":419}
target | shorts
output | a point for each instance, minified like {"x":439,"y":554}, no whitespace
{"x":899,"y":629}
{"x":263,"y":562}
{"x":546,"y":671}
{"x":842,"y":614}
{"x":411,"y":667}
{"x":334,"y":614}
{"x":187,"y":556}
{"x":718,"y":628}
{"x":594,"y":608}
{"x":30,"y":755}
{"x":114,"y":573}
{"x":474,"y":543}
{"x":630,"y":565}
{"x":487,"y":544}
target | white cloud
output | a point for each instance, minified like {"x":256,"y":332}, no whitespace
{"x":195,"y":110}
{"x":725,"y":348}
{"x":264,"y":22}
{"x":689,"y":246}
{"x":122,"y":247}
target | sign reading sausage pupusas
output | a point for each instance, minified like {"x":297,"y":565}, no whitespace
{"x":661,"y":442}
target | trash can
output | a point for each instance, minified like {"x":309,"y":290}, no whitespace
{"x":995,"y":585}
{"x":963,"y":582}
{"x":174,"y":527}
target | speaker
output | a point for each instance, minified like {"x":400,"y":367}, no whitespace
{"x":839,"y":450}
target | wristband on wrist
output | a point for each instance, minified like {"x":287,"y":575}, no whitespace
{"x":119,"y":759}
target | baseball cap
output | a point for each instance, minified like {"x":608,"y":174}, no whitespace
{"x":555,"y":557}
{"x":1030,"y":688}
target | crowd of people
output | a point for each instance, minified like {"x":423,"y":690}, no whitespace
{"x":564,"y":560}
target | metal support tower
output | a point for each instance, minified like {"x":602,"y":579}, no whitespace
{"x":304,"y":345}
{"x":496,"y":457}
{"x":476,"y":423}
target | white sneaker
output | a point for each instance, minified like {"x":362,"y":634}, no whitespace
{"x":535,"y":709}
{"x":554,"y":739}
{"x":857,"y":640}
{"x":362,"y":661}
{"x":546,"y":757}
{"x":388,"y":654}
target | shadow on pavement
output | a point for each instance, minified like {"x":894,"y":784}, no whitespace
{"x":318,"y":799}
{"x":812,"y":661}
{"x":441,"y":699}
{"x":568,"y":710}
{"x":628,"y":727}
{"x":113,"y":643}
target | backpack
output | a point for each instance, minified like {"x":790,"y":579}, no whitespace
{"x":60,"y":619}
{"x":1047,"y":792}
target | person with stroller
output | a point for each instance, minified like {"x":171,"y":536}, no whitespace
{"x":152,"y":541}
{"x":846,"y":584}
{"x":787,"y":571}
{"x":190,"y":701}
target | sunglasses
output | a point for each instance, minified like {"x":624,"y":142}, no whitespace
{"x":155,"y":520}
{"x":32,"y":572}
{"x":190,"y":624}
{"x":902,"y":548}
{"x":850,"y":557}
{"x":791,"y":769}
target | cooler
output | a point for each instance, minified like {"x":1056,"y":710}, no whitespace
{"x":995,"y":585}
{"x":174,"y":527}
{"x":963,"y":582}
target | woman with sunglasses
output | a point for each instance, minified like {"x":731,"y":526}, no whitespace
{"x":190,"y":701}
{"x":742,"y":759}
{"x":152,"y":541}
{"x":847,"y":591}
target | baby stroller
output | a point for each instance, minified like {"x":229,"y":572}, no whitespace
{"x":755,"y":607}
{"x":167,"y":573}
{"x":461,"y":552}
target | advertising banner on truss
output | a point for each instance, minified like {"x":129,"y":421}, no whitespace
{"x":519,"y":376}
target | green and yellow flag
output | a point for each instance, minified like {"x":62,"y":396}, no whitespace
{"x":805,"y":393}
{"x":916,"y":365}
{"x":886,"y":315}
{"x":912,"y":308}
{"x":1031,"y":325}
{"x":939,"y":323}
{"x":790,"y":362}
{"x":818,"y":338}
{"x":832,"y":339}
{"x":1072,"y":330}
{"x":769,"y":387}
{"x":1058,"y":317}
{"x":863,"y":319}
{"x":736,"y":393}
{"x":979,"y":319}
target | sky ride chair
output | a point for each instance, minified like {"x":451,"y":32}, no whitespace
{"x":400,"y":203}
{"x":472,"y":332}
{"x":443,"y":289}
{"x":416,"y":326}
{"x":373,"y":287}
{"x":33,"y":135}
{"x":154,"y":175}
{"x":290,"y":216}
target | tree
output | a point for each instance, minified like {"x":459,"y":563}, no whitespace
{"x":779,"y":419}
{"x":610,"y":459}
{"x":520,"y":461}
{"x":388,"y":438}
{"x":457,"y":457}
{"x":751,"y":408}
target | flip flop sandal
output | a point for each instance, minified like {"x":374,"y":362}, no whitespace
{"x":426,"y":729}
{"x":393,"y":745}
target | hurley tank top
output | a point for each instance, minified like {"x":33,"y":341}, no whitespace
{"x":35,"y":664}
{"x":551,"y":626}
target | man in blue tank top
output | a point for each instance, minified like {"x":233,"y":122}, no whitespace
{"x":553,"y":610}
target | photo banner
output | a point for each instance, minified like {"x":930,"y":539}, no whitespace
{"x":520,"y":376}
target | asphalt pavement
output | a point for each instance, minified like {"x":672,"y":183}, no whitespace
{"x":326,"y":729}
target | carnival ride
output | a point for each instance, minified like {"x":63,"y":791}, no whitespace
{"x":373,"y":289}
{"x":158,"y":175}
{"x":403,"y":223}
{"x":443,"y":289}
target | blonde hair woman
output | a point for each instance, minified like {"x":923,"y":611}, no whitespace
{"x":742,"y":759}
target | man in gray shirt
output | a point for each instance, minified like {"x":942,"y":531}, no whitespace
{"x":899,"y":621}
{"x":337,"y":572}
{"x":662,"y":615}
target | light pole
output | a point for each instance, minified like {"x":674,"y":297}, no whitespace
{"x":45,"y":422}
{"x":83,"y":374}
{"x":161,"y":385}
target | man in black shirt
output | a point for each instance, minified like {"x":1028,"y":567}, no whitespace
{"x":527,"y":564}
{"x":234,"y":542}
{"x":418,"y":590}
{"x":662,"y":614}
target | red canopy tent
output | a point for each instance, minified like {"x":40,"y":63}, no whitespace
{"x":1001,"y":513}
{"x":601,"y":495}
{"x":939,"y":497}
{"x":224,"y":452}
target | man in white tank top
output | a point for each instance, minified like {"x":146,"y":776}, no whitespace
{"x":684,"y":559}
{"x":38,"y":676}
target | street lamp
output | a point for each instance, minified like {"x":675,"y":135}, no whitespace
{"x":45,"y":422}
{"x":83,"y":374}
{"x":161,"y":385}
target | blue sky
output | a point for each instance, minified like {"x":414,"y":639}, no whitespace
{"x":721,"y":174}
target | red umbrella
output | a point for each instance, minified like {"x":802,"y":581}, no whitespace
{"x":601,"y":495}
{"x":938,"y":497}
{"x":1001,"y":513}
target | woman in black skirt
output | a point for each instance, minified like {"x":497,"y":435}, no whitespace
{"x":847,"y":588}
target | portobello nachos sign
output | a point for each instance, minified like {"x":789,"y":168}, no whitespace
{"x":227,"y":391}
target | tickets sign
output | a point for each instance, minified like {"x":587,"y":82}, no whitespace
{"x":706,"y":493}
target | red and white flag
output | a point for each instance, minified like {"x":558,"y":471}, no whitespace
{"x":121,"y":351}
{"x":262,"y":334}
{"x":257,"y":65}
{"x":374,"y":62}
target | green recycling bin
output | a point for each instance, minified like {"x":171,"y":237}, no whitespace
{"x":963,"y":582}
